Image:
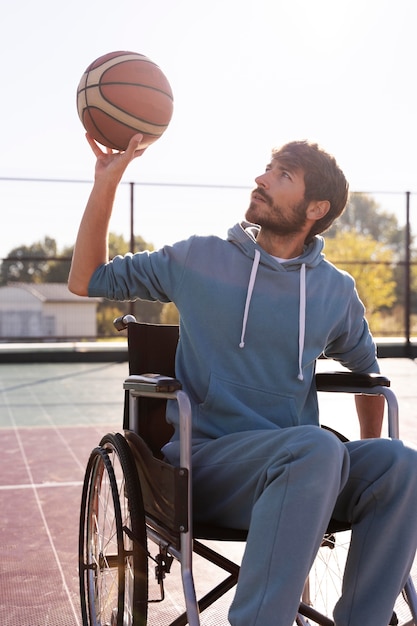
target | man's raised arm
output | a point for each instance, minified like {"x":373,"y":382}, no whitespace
{"x":91,"y":246}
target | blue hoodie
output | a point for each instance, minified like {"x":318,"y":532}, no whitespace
{"x":251,"y":327}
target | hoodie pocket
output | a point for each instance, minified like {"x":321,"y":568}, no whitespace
{"x":231,"y":407}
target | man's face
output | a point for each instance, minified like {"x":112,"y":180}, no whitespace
{"x":278,"y":204}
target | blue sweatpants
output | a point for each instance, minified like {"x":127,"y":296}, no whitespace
{"x":283,"y":486}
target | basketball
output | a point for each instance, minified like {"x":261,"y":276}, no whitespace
{"x":121,"y":94}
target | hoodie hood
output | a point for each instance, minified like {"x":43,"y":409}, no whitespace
{"x":244,"y":236}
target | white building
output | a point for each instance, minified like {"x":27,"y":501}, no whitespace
{"x":30,"y":310}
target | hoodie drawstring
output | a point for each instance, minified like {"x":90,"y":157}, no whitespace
{"x":249,"y":295}
{"x":301,"y":312}
{"x":301,"y":321}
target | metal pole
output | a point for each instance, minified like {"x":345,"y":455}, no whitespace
{"x":132,"y":226}
{"x":407,"y":277}
{"x":132,"y":233}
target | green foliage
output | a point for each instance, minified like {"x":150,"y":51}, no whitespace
{"x":385,"y":303}
{"x":170,"y":314}
{"x":364,"y":215}
{"x":29,"y":264}
{"x":41,"y":262}
{"x":145,"y":311}
{"x":118,"y":245}
{"x":105,"y":316}
{"x":58,"y":269}
{"x":371,"y":265}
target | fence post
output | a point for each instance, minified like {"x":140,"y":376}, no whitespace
{"x":132,"y":218}
{"x":407,"y":277}
{"x":132,"y":233}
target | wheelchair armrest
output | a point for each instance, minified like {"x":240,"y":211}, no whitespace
{"x":152,"y":383}
{"x":349,"y":381}
{"x":363,"y":384}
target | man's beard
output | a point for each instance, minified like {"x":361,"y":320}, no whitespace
{"x":276,"y":221}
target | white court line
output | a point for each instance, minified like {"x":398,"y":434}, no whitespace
{"x":33,"y":486}
{"x":75,"y":483}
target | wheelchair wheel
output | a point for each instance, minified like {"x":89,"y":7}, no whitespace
{"x":113,"y":565}
{"x":324,"y":584}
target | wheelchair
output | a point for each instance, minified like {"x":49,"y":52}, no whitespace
{"x":136,"y":513}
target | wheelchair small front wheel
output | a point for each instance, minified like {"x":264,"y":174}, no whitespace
{"x":112,"y":542}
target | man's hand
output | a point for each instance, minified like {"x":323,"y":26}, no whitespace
{"x":111,"y":164}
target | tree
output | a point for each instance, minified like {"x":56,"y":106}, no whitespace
{"x":371,"y":265}
{"x":364,"y":215}
{"x":40,"y":262}
{"x":170,"y":314}
{"x":29,"y":264}
{"x":58,"y":269}
{"x":118,"y":245}
{"x":106,"y":313}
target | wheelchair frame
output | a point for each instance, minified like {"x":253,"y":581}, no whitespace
{"x":151,"y":500}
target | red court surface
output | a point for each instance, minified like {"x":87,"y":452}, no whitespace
{"x":51,"y":416}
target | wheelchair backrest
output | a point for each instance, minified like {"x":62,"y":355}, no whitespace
{"x":151,"y":349}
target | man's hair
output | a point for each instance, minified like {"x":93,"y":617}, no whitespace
{"x":323,"y":178}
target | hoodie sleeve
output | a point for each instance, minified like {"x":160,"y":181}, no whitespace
{"x":145,"y":275}
{"x":353,"y":345}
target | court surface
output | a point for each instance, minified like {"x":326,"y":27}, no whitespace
{"x":51,"y":416}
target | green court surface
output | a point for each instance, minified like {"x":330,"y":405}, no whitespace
{"x":51,"y":416}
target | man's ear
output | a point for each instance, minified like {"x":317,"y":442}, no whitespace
{"x":317,"y":209}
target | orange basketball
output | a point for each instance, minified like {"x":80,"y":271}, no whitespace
{"x":121,"y":94}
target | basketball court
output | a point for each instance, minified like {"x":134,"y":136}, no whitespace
{"x":51,"y":416}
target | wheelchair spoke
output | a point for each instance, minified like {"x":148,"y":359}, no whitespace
{"x":324,"y":584}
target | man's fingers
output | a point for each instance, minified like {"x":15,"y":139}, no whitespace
{"x":134,"y":144}
{"x":133,"y":149}
{"x":95,"y":148}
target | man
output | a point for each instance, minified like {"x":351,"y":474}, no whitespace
{"x":256,"y":312}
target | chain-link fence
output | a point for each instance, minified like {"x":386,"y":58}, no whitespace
{"x":41,"y":223}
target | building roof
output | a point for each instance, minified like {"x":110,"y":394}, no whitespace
{"x":49,"y":292}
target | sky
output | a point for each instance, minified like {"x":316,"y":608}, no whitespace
{"x":246,"y":76}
